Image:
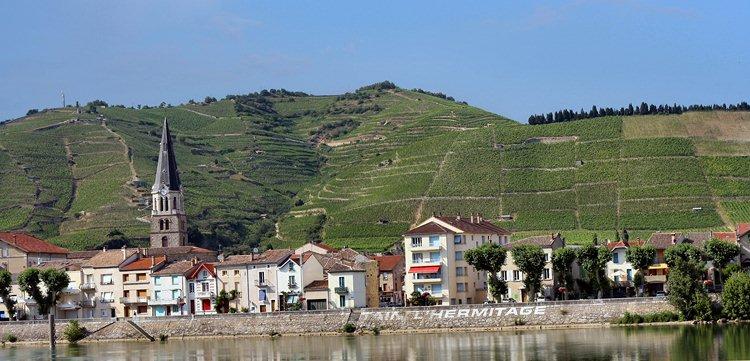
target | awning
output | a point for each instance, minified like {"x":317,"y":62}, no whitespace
{"x":659,"y":266}
{"x":424,"y":269}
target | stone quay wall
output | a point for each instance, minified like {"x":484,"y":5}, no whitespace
{"x":490,"y":316}
{"x":562,"y":313}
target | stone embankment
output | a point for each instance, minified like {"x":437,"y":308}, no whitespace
{"x":491,"y":316}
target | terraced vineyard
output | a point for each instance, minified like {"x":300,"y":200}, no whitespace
{"x":357,"y":170}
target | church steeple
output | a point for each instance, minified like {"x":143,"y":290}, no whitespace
{"x":167,"y":174}
{"x":168,"y":219}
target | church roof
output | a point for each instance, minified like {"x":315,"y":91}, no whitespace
{"x":166,"y":169}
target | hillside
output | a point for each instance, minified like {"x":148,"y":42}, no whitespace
{"x":360,"y":168}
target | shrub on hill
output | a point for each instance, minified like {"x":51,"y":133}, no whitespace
{"x":383,"y":85}
{"x":644,"y":108}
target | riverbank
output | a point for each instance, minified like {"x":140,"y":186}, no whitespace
{"x":435,"y":319}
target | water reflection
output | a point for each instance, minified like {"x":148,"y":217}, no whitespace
{"x":641,"y":343}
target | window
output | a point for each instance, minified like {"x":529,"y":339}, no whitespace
{"x":261,"y":277}
{"x":236,"y":272}
{"x":457,"y":239}
{"x":175,"y":280}
{"x":107,"y":279}
{"x":547,"y":274}
{"x":434,"y":257}
{"x":108,"y":296}
{"x":416,"y":258}
{"x":504,"y":275}
{"x":483,"y":239}
{"x":204,"y":287}
{"x":630,"y":274}
{"x":416,"y":241}
{"x":175,"y":294}
{"x":341,"y":281}
{"x":461,"y":287}
{"x":262,"y":295}
{"x":460,"y":271}
{"x":516,"y":275}
{"x":616,"y":257}
{"x":434,"y":241}
{"x":546,"y":257}
{"x":437,"y":289}
{"x":166,"y":224}
{"x":204,"y":274}
{"x":292,"y":281}
{"x":224,"y":272}
{"x":459,"y":255}
{"x":191,"y":287}
{"x":342,"y":301}
{"x":157,"y":281}
{"x":157,"y":295}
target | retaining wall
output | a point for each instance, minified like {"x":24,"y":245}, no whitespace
{"x":389,"y":319}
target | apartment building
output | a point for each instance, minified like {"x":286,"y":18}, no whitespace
{"x":69,"y":304}
{"x":136,"y":284}
{"x":169,"y":287}
{"x":290,"y":281}
{"x":390,"y":279}
{"x":19,"y":251}
{"x":103,"y":283}
{"x":203,"y":286}
{"x":346,"y":281}
{"x":514,"y":276}
{"x":257,"y":275}
{"x":619,"y":269}
{"x":434,"y":262}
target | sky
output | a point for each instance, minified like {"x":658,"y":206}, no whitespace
{"x":514,"y":58}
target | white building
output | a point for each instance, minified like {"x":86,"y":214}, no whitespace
{"x":434,"y":260}
{"x":346,"y":283}
{"x":170,"y":289}
{"x":290,"y":281}
{"x":202,"y":289}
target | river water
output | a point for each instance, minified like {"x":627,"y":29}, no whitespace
{"x":730,"y":342}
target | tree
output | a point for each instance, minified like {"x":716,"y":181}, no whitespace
{"x":490,"y":258}
{"x":54,"y":282}
{"x":6,"y":284}
{"x":686,"y":292}
{"x":594,"y":260}
{"x":736,"y":296}
{"x":685,"y":257}
{"x":721,"y":253}
{"x":221,"y":303}
{"x":641,"y":257}
{"x":530,"y":260}
{"x":562,"y":264}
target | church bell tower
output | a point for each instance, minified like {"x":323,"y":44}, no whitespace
{"x":168,"y":220}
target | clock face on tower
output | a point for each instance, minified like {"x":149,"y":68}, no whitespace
{"x":164,"y":191}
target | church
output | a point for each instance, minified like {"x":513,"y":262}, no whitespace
{"x":168,"y":219}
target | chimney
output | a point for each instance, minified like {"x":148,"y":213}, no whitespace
{"x":194,"y":261}
{"x":472,"y":218}
{"x":124,"y":253}
{"x":104,"y":249}
{"x":479,"y":218}
{"x":152,"y":261}
{"x":458,"y":217}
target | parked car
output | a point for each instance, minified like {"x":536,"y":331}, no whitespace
{"x":661,"y":294}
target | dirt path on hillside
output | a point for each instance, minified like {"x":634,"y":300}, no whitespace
{"x":420,"y":208}
{"x":74,"y":180}
{"x":128,"y":156}
{"x":199,"y":113}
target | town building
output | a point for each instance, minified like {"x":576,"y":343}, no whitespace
{"x":136,"y":284}
{"x":170,"y":287}
{"x":70,"y":304}
{"x":619,"y":269}
{"x":514,"y":276}
{"x":434,"y":261}
{"x":290,"y":281}
{"x":390,"y":279}
{"x":203,"y":285}
{"x":103,"y":282}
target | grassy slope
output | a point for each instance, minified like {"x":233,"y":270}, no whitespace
{"x":418,"y":155}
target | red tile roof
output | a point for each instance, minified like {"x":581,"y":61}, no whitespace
{"x":318,"y":285}
{"x":30,"y":244}
{"x":477,"y":226}
{"x":428,"y":228}
{"x":207,"y":266}
{"x":541,"y":241}
{"x":389,"y":263}
{"x":726,"y":236}
{"x":145,"y":263}
{"x":743,"y":229}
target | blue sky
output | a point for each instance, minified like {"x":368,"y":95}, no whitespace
{"x":511,"y":57}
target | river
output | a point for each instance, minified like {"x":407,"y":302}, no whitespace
{"x":731,"y":342}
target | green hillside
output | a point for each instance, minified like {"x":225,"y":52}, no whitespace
{"x":360,"y":168}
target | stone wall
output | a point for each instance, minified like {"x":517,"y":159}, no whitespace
{"x":28,"y":331}
{"x":509,"y":314}
{"x":387,"y":319}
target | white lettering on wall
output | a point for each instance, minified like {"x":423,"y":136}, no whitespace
{"x":482,"y":312}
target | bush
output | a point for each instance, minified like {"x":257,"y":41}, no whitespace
{"x":349,"y":328}
{"x":9,"y":337}
{"x":375,"y":330}
{"x":163,"y":337}
{"x":736,"y":296}
{"x":634,"y":318}
{"x":74,"y":332}
{"x":244,"y":310}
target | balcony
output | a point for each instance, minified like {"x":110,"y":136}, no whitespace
{"x":71,"y":290}
{"x":88,"y":286}
{"x":67,"y":306}
{"x":136,"y":282}
{"x":656,"y":279}
{"x":165,"y":301}
{"x":133,"y":300}
{"x":425,"y":246}
{"x":341,"y":290}
{"x":292,"y":285}
{"x":427,"y":278}
{"x":90,"y":303}
{"x":204,"y":294}
{"x":261,"y":283}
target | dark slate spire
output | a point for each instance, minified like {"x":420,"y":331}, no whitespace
{"x":166,"y":170}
